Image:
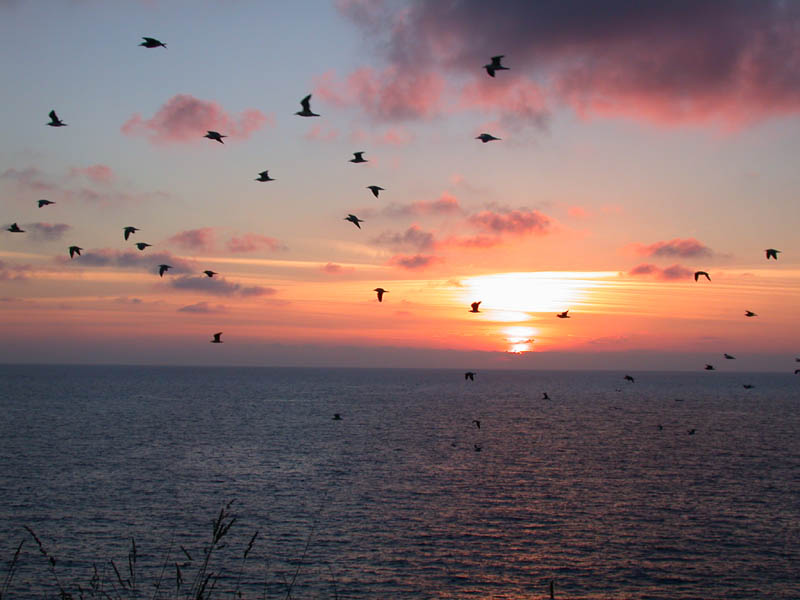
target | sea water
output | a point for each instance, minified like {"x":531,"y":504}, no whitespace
{"x":600,"y":490}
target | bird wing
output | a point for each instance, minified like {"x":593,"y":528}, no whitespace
{"x":306,"y":103}
{"x":496,"y":60}
{"x":217,"y":335}
{"x":53,"y":116}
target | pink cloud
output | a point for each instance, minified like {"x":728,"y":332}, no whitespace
{"x":476,"y":241}
{"x":195,"y":239}
{"x":95,"y":173}
{"x":413,"y":237}
{"x":322,"y":133}
{"x":446,"y":204}
{"x":395,"y":136}
{"x":218,"y":286}
{"x":250,"y":242}
{"x":671,"y":273}
{"x":577,"y":212}
{"x":412,"y":263}
{"x":516,"y":99}
{"x":684,"y":248}
{"x":334,"y":269}
{"x":14,"y":272}
{"x":513,"y":221}
{"x":184,"y":118}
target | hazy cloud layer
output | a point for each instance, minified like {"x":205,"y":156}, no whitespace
{"x":218,"y":286}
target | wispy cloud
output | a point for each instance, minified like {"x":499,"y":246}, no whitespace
{"x":512,"y":221}
{"x":250,"y":242}
{"x":95,"y":173}
{"x":203,"y":308}
{"x":413,"y":237}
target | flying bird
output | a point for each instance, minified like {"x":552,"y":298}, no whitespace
{"x":264,"y":176}
{"x":129,"y":230}
{"x":709,"y":367}
{"x":747,"y":386}
{"x":563,"y":315}
{"x":380,"y":291}
{"x":354,"y":220}
{"x":796,"y":371}
{"x":45,"y":203}
{"x":691,"y":431}
{"x":729,"y":356}
{"x":215,"y":135}
{"x":152,"y":43}
{"x":495,"y":65}
{"x":210,"y":273}
{"x":469,"y":375}
{"x":358,"y":157}
{"x":545,"y":396}
{"x":477,"y":423}
{"x":628,"y":378}
{"x":697,"y":275}
{"x":163,"y":269}
{"x":475,"y":306}
{"x":477,"y":447}
{"x":14,"y":228}
{"x":486,"y":137}
{"x":306,"y":104}
{"x":55,"y":121}
{"x":142,"y":245}
{"x":375,"y":189}
{"x":216,"y":339}
{"x":73,"y":250}
{"x":750,"y":313}
{"x":772,"y":253}
{"x":336,"y":416}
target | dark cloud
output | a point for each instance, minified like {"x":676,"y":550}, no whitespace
{"x":413,"y":237}
{"x":684,"y":248}
{"x":511,"y":221}
{"x":218,"y":286}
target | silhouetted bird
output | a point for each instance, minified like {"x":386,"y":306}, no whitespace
{"x":697,"y":275}
{"x":495,"y":65}
{"x":45,"y":203}
{"x":545,"y":396}
{"x":142,"y":245}
{"x":660,"y":427}
{"x":729,"y":356}
{"x":152,"y":43}
{"x":215,"y":135}
{"x":772,"y":253}
{"x":14,"y":228}
{"x":358,"y":157}
{"x":73,"y":250}
{"x":163,"y":269}
{"x":375,"y":189}
{"x":628,"y":378}
{"x":796,"y":371}
{"x":337,"y":417}
{"x":477,"y":447}
{"x":487,"y":137}
{"x":354,"y":220}
{"x":469,"y":375}
{"x":55,"y":121}
{"x":306,"y":104}
{"x":216,"y":339}
{"x":210,"y":273}
{"x":381,"y":292}
{"x":691,"y":431}
{"x":563,"y":315}
{"x":709,"y":367}
{"x":477,"y":423}
{"x":264,"y":176}
{"x":747,"y":386}
{"x":475,"y":306}
{"x":129,"y":230}
{"x":750,"y":313}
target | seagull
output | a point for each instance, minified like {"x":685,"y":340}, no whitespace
{"x":216,"y":339}
{"x":163,"y":269}
{"x":772,"y":253}
{"x":380,"y":291}
{"x":152,"y":43}
{"x":697,"y":275}
{"x":469,"y":375}
{"x":129,"y":230}
{"x":354,"y":220}
{"x":73,"y":250}
{"x":545,"y":396}
{"x":628,"y":378}
{"x":358,"y":157}
{"x":45,"y":203}
{"x":487,"y":137}
{"x":747,"y":386}
{"x":14,"y":228}
{"x":495,"y":65}
{"x":55,"y":121}
{"x":729,"y":356}
{"x":306,"y":104}
{"x":215,"y":135}
{"x":210,"y":273}
{"x":336,"y":416}
{"x":375,"y":189}
{"x":264,"y":176}
{"x":750,"y":313}
{"x":563,"y":315}
{"x":477,"y":423}
{"x":142,"y":245}
{"x":691,"y":431}
{"x":475,"y":306}
{"x":709,"y":367}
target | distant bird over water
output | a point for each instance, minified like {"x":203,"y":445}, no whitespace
{"x":163,"y":269}
{"x":216,"y":339}
{"x":129,"y":230}
{"x":698,"y":274}
{"x":142,"y":245}
{"x":210,"y":273}
{"x":354,"y":220}
{"x":628,"y":378}
{"x":375,"y":189}
{"x":152,"y":43}
{"x":45,"y":203}
{"x":469,"y":375}
{"x":55,"y":121}
{"x":495,"y":65}
{"x":750,"y":313}
{"x":729,"y":356}
{"x":14,"y":228}
{"x":380,"y":292}
{"x":73,"y":250}
{"x":487,"y":137}
{"x":772,"y":253}
{"x":264,"y":176}
{"x":358,"y":157}
{"x":563,"y":315}
{"x":215,"y":135}
{"x":475,"y":306}
{"x":306,"y":104}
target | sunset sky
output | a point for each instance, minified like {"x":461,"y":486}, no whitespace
{"x":641,"y":142}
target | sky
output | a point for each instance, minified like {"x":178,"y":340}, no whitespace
{"x":639,"y":143}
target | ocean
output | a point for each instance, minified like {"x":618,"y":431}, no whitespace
{"x":428,"y":486}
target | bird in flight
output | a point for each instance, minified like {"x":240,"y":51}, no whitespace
{"x":337,"y":417}
{"x":215,"y":135}
{"x":381,"y":292}
{"x":142,"y":245}
{"x":495,"y":65}
{"x":563,"y":315}
{"x":772,"y":253}
{"x":264,"y":176}
{"x":709,"y":367}
{"x":750,"y":313}
{"x":698,"y":274}
{"x":486,"y":137}
{"x":354,"y":220}
{"x":475,"y":306}
{"x":163,"y":269}
{"x":152,"y":43}
{"x":477,"y":447}
{"x":729,"y":356}
{"x":747,"y":386}
{"x":796,"y":371}
{"x":129,"y":230}
{"x":469,"y":375}
{"x":628,"y":378}
{"x":55,"y":121}
{"x":358,"y":157}
{"x":216,"y":339}
{"x":375,"y":189}
{"x":477,"y":423}
{"x":14,"y":228}
{"x":545,"y":396}
{"x":73,"y":250}
{"x":45,"y":203}
{"x":691,"y":431}
{"x":210,"y":273}
{"x":306,"y":104}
